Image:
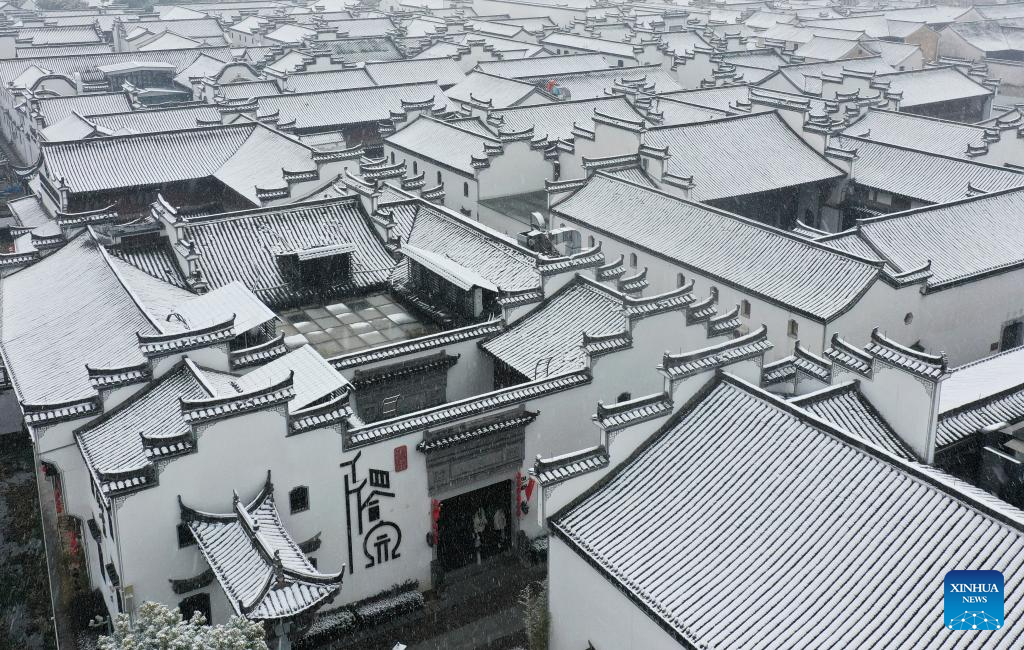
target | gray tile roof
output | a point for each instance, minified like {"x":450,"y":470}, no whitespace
{"x":152,"y":121}
{"x":308,"y":82}
{"x":844,"y":406}
{"x":599,"y":83}
{"x":1005,"y":406}
{"x":552,"y":471}
{"x":914,"y":132}
{"x":556,"y":120}
{"x":59,"y":35}
{"x":807,"y":76}
{"x":674,"y":532}
{"x":87,"y":319}
{"x":55,"y":109}
{"x":962,"y":239}
{"x":314,"y":381}
{"x":64,"y":50}
{"x":235,"y":155}
{"x":197,"y":27}
{"x":753,"y":147}
{"x":125,"y":442}
{"x":899,"y":170}
{"x":550,"y":340}
{"x":577,"y":42}
{"x":264,"y":573}
{"x":499,"y":92}
{"x":445,"y":71}
{"x":157,"y":260}
{"x":428,"y":342}
{"x":723,"y":98}
{"x":667,"y":112}
{"x":543,"y":65}
{"x":491,"y":255}
{"x":237,"y":246}
{"x":815,"y":280}
{"x":932,"y":85}
{"x":70,"y":65}
{"x":443,"y":143}
{"x":365,"y":434}
{"x":358,"y":27}
{"x":249,"y":90}
{"x":343,"y":107}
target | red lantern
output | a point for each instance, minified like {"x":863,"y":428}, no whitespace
{"x":435,"y":516}
{"x":529,"y":488}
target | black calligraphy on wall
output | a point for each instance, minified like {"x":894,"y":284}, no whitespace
{"x":380,"y":539}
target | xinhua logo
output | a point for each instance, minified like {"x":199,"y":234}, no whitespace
{"x":974,"y":600}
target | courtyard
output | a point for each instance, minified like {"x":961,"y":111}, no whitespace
{"x":351,"y":324}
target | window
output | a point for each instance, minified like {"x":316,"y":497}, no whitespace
{"x":793,"y":330}
{"x":620,"y":63}
{"x":632,"y":260}
{"x":745,"y":308}
{"x":438,"y":178}
{"x":392,"y":157}
{"x":465,"y":189}
{"x":185,"y":537}
{"x":680,"y":279}
{"x":624,"y":397}
{"x":1013,"y":335}
{"x":415,"y":168}
{"x":714,"y":293}
{"x":298,"y":499}
{"x":908,"y":319}
{"x":643,"y":162}
{"x":197,"y":603}
{"x":590,"y":241}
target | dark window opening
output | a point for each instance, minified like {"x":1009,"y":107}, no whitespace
{"x":1013,"y":336}
{"x":185,"y":537}
{"x":197,"y":603}
{"x":298,"y":499}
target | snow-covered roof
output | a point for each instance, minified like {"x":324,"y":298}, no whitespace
{"x":674,"y":531}
{"x":817,"y":281}
{"x":264,"y":573}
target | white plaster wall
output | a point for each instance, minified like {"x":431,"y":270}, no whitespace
{"x":662,"y":276}
{"x":410,"y":510}
{"x":586,"y":608}
{"x":453,"y":182}
{"x":233,"y":454}
{"x":518,"y":170}
{"x":963,"y":321}
{"x":907,"y":402}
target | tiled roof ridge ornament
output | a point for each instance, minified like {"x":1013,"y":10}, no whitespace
{"x":279,"y":578}
{"x":922,"y":363}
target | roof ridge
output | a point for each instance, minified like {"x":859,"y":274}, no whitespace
{"x":936,"y":206}
{"x":124,"y":136}
{"x":916,"y":470}
{"x":124,"y":283}
{"x":201,"y":220}
{"x":867,"y":138}
{"x":878,"y":264}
